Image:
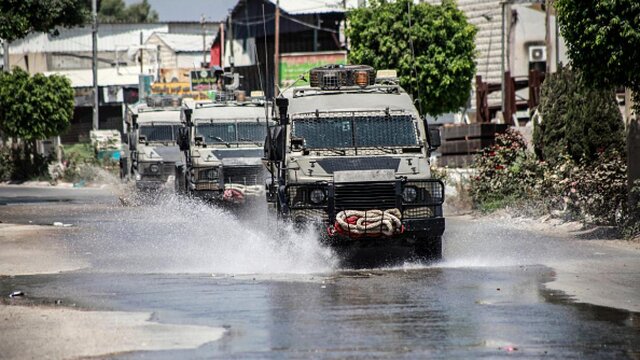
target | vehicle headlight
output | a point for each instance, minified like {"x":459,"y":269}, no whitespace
{"x":138,"y":177}
{"x":154,"y":168}
{"x":317,"y":196}
{"x":209,"y":174}
{"x":409,"y":194}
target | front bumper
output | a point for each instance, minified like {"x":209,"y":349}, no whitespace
{"x":421,"y":218}
{"x":155,"y":184}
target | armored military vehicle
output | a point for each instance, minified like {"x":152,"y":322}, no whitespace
{"x":222,"y":143}
{"x":351,"y":154}
{"x":152,"y":128}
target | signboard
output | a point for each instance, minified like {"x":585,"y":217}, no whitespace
{"x":144,"y":85}
{"x":294,"y":64}
{"x":170,"y":75}
{"x":204,"y":79}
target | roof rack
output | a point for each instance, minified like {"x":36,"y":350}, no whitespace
{"x":386,"y":88}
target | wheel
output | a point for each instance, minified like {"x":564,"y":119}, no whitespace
{"x":429,"y":248}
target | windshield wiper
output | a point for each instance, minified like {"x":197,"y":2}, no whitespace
{"x":219,"y":139}
{"x":336,"y":151}
{"x":258,"y":143}
{"x":385,"y":149}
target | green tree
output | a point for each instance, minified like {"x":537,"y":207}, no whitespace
{"x":20,"y":17}
{"x":443,"y":41}
{"x":603,"y":40}
{"x":117,"y":11}
{"x":577,"y":120}
{"x":33,"y":108}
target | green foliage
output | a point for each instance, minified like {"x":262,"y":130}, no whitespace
{"x":6,"y":164}
{"x":506,"y":173}
{"x":444,"y":44}
{"x":34,"y":107}
{"x":117,"y":11}
{"x":20,"y":17}
{"x":603,"y":39}
{"x":577,"y":120}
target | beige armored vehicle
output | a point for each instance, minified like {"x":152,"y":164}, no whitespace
{"x":152,"y":129}
{"x":351,"y":154}
{"x":222,"y":143}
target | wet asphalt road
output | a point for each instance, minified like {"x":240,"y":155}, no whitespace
{"x":280,"y":294}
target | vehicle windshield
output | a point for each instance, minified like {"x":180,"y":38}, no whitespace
{"x":159,"y":132}
{"x":356,"y":131}
{"x":232,"y":132}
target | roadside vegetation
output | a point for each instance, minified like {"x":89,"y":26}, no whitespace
{"x":578,"y":170}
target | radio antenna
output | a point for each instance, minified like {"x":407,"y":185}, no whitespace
{"x":413,"y":58}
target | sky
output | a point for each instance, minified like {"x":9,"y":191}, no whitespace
{"x":190,"y":10}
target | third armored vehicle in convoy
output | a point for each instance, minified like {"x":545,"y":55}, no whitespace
{"x":351,"y":154}
{"x":222,"y":143}
{"x":152,"y":127}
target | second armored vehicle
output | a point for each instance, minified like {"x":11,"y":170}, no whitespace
{"x":222,"y":144}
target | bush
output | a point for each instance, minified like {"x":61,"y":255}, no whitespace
{"x":507,"y":173}
{"x":576,"y":120}
{"x":6,"y":164}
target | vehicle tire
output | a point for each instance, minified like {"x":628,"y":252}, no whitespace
{"x":429,"y":248}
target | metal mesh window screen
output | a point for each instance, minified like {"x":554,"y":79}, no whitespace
{"x":217,"y":132}
{"x":355,"y":129}
{"x":396,"y":130}
{"x":158,"y":132}
{"x":231,"y":131}
{"x":251,"y":131}
{"x":325,"y":133}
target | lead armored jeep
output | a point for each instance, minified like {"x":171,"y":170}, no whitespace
{"x":152,"y":127}
{"x":351,"y":154}
{"x":222,"y":143}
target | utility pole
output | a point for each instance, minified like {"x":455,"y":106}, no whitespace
{"x":231,"y":59}
{"x":94,"y":62}
{"x":204,"y":41}
{"x":141,"y":53}
{"x":547,"y":34}
{"x":276,"y":52}
{"x":503,"y":3}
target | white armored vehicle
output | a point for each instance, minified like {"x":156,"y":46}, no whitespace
{"x":222,"y":144}
{"x":152,"y":127}
{"x":352,"y":154}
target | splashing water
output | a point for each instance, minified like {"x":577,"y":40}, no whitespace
{"x":179,"y":235}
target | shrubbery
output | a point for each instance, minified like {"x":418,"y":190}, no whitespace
{"x":594,"y":192}
{"x":578,"y":121}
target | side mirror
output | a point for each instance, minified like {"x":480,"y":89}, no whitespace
{"x":199,"y":139}
{"x":297,"y":143}
{"x":183,"y":139}
{"x":131,"y":141}
{"x":274,"y":145}
{"x":142,"y":139}
{"x":283,"y":106}
{"x":434,"y":138}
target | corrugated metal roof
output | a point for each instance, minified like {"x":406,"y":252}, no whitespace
{"x":106,"y":76}
{"x":78,"y":39}
{"x":298,"y":7}
{"x":184,"y":42}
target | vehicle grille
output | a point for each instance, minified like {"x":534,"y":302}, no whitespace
{"x":365,"y":196}
{"x":165,"y":169}
{"x":246,"y":175}
{"x":207,"y":186}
